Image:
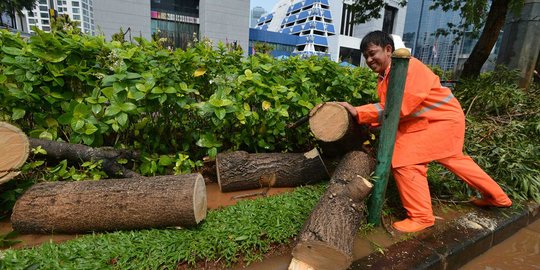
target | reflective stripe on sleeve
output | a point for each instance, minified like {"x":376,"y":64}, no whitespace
{"x":379,"y":112}
{"x":434,"y":106}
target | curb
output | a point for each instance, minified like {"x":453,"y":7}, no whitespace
{"x":454,"y":244}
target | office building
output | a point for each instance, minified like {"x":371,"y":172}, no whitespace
{"x":78,"y":10}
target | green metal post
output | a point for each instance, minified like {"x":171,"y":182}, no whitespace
{"x":392,"y":108}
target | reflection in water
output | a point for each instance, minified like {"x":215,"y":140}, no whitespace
{"x":520,"y":251}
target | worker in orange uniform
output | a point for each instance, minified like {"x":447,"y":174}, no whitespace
{"x":431,"y":128}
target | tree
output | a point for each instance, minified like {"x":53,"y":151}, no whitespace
{"x":12,"y":7}
{"x":479,"y":16}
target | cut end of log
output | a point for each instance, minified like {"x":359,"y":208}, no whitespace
{"x":199,"y":199}
{"x":299,"y":265}
{"x":14,"y":147}
{"x":320,"y":256}
{"x":330,"y":122}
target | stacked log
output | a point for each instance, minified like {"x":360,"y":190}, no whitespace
{"x":240,"y":170}
{"x":336,"y":130}
{"x":14,"y":148}
{"x":113,"y":204}
{"x":327,"y":238}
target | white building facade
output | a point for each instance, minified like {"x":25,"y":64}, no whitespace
{"x":78,"y":10}
{"x":327,"y":26}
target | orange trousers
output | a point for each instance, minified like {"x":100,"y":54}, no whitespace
{"x":413,"y":187}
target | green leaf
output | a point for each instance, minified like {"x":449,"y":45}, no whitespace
{"x":128,"y":107}
{"x":12,"y":50}
{"x":220,"y":113}
{"x":165,"y":160}
{"x":46,"y":135}
{"x":156,"y":90}
{"x":122,"y":119}
{"x":17,"y":114}
{"x":112,"y":110}
{"x":3,"y":78}
{"x":108,"y":92}
{"x":76,"y":125}
{"x":208,"y":140}
{"x":89,"y":128}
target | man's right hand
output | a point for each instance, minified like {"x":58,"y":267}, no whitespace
{"x":349,"y":108}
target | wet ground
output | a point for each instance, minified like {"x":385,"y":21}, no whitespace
{"x":521,"y":251}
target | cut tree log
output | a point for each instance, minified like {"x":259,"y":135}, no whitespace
{"x":113,"y":204}
{"x":327,"y":238}
{"x":78,"y":152}
{"x":14,"y":148}
{"x":240,"y":170}
{"x":338,"y":132}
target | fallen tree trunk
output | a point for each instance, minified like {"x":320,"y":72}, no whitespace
{"x":338,"y":132}
{"x":241,"y":171}
{"x":78,"y":152}
{"x":14,"y":148}
{"x":114,"y":204}
{"x":327,"y":238}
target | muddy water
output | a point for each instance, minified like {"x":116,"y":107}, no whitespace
{"x":521,"y":251}
{"x":363,"y":245}
{"x":216,"y":199}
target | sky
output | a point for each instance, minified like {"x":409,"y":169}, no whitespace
{"x":266,"y":4}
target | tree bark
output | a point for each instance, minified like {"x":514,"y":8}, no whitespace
{"x":338,"y":132}
{"x":327,"y":238}
{"x":77,"y":152}
{"x":241,"y":171}
{"x":488,"y":38}
{"x":114,"y":204}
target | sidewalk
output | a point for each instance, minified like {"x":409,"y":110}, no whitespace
{"x":455,"y":243}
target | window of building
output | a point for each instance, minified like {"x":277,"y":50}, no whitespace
{"x":59,"y":2}
{"x":390,"y":14}
{"x":76,"y":10}
{"x":85,"y":6}
{"x":75,"y":4}
{"x":77,"y":17}
{"x":44,"y":15}
{"x":45,"y":21}
{"x":43,"y":8}
{"x":43,"y":2}
{"x":347,"y":17}
{"x":46,"y":28}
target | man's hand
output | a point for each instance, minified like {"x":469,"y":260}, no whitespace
{"x":349,"y":107}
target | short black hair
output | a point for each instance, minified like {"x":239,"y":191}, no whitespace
{"x":378,"y":38}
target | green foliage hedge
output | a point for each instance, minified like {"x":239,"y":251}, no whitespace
{"x":199,"y":101}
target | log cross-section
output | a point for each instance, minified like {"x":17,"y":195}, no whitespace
{"x":113,"y":204}
{"x":336,"y":129}
{"x":240,"y":170}
{"x":327,"y":238}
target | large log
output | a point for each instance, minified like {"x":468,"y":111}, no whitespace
{"x":337,"y":131}
{"x":13,"y":151}
{"x":78,"y":152}
{"x":241,"y":171}
{"x":113,"y":204}
{"x":326,"y":240}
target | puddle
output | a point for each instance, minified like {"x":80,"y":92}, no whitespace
{"x":521,"y":251}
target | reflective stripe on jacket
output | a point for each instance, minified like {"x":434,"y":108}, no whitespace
{"x":432,"y":124}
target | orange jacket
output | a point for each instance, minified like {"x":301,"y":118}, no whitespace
{"x":432,"y":123}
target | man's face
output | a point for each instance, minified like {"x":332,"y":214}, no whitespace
{"x":378,"y":58}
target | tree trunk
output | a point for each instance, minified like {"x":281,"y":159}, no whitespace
{"x":13,"y":151}
{"x":327,"y":238}
{"x":488,"y":38}
{"x":241,"y":171}
{"x":77,"y":152}
{"x":338,"y":132}
{"x":114,"y":204}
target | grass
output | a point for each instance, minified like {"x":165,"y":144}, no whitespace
{"x":243,"y":232}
